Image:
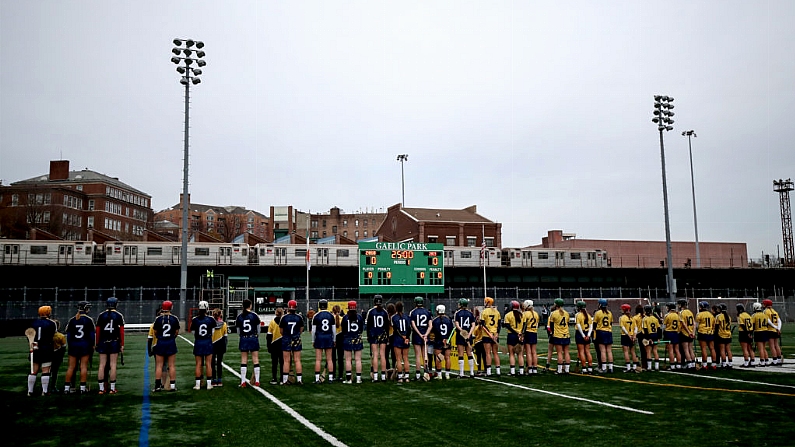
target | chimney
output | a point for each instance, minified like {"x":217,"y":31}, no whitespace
{"x":59,"y":170}
{"x":180,"y":200}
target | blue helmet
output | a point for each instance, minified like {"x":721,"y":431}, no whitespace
{"x":602,"y":302}
{"x":112,"y":302}
{"x":703,"y":305}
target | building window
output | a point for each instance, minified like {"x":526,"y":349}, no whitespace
{"x":79,"y":187}
{"x":373,"y":222}
{"x":324,"y":223}
{"x":90,"y":221}
{"x":314,"y":235}
{"x":364,"y":223}
{"x":344,"y":223}
{"x":334,"y":229}
{"x":91,"y":204}
{"x":450,"y":241}
{"x":324,"y":234}
{"x":314,"y":224}
{"x":471,"y":241}
{"x":365,"y":233}
{"x":489,"y":242}
{"x":356,"y":234}
{"x":356,"y":223}
{"x":345,"y":233}
{"x":45,"y":218}
{"x":433,"y":239}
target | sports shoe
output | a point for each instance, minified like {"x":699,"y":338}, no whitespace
{"x":113,"y":391}
{"x":347,"y":382}
{"x":243,"y":384}
{"x":256,"y":383}
{"x":197,"y":387}
{"x":317,"y":382}
{"x":219,"y":383}
{"x":101,"y":392}
{"x":274,"y":382}
{"x":157,"y":389}
{"x":172,"y":390}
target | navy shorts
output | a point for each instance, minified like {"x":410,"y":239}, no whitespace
{"x":626,"y":341}
{"x":706,"y":337}
{"x":203,"y":347}
{"x":490,"y":341}
{"x":761,"y":336}
{"x":248,"y":344}
{"x":461,"y":341}
{"x":165,"y":348}
{"x":746,"y":337}
{"x":530,"y":338}
{"x":671,"y":336}
{"x":416,"y":339}
{"x":580,"y":340}
{"x":324,"y":341}
{"x":723,"y":341}
{"x":399,"y":342}
{"x":513,"y":339}
{"x":79,"y":350}
{"x":604,"y":337}
{"x":773,"y":335}
{"x":291,"y":344}
{"x":109,"y":347}
{"x":380,"y":339}
{"x":684,"y":338}
{"x":561,"y":341}
{"x":352,"y":344}
{"x":440,"y":346}
{"x":42,"y":356}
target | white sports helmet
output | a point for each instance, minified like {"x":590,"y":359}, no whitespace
{"x":204,"y":305}
{"x":757,"y":306}
{"x":440,"y":309}
{"x":528,"y":304}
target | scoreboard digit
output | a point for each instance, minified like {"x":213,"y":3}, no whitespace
{"x":401,"y":267}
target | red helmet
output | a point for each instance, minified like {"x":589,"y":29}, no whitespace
{"x":167,"y":305}
{"x":767,"y":303}
{"x":292,"y":304}
{"x":626,"y":307}
{"x":515,"y":305}
{"x":351,"y":305}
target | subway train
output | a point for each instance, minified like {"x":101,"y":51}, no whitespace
{"x":28,"y":252}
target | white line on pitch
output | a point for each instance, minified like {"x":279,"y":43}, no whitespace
{"x":704,"y":376}
{"x":595,"y":402}
{"x":319,"y":431}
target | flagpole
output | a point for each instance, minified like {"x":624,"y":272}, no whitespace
{"x":308,"y":263}
{"x":483,"y":257}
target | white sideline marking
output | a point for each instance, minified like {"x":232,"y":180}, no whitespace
{"x":318,"y":431}
{"x":565,"y":396}
{"x":703,"y":376}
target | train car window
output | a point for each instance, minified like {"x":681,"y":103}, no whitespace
{"x":343,"y":253}
{"x":543,"y":255}
{"x":154,"y":251}
{"x":466,"y":254}
{"x":202,"y":251}
{"x":300,"y":252}
{"x":38,"y":249}
{"x":576,"y":255}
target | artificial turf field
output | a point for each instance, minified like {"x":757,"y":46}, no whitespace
{"x":724,"y":407}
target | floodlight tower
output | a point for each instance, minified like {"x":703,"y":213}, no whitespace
{"x":401,"y":158}
{"x":190,"y":75}
{"x":783,"y":187}
{"x":662,"y":117}
{"x":689,"y":134}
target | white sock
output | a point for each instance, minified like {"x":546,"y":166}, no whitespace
{"x":243,"y":371}
{"x":256,"y":374}
{"x":45,"y":383}
{"x":461,"y":367}
{"x":209,"y":384}
{"x":32,"y":382}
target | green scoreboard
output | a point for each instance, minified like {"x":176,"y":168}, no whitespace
{"x":401,"y":267}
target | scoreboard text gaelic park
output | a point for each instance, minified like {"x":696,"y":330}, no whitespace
{"x":401,"y":267}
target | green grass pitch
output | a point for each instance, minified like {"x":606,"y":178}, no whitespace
{"x":754,"y":408}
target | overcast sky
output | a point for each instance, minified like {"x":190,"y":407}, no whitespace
{"x":538,"y":112}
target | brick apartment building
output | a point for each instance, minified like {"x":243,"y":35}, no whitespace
{"x":224,"y":223}
{"x":339,"y":227}
{"x":462,"y":228}
{"x":74,"y":205}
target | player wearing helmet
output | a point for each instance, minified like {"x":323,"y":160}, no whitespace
{"x":401,"y":331}
{"x":202,"y":326}
{"x":352,"y":326}
{"x":629,"y":332}
{"x":687,"y":333}
{"x":530,"y":321}
{"x":650,"y":326}
{"x":705,"y":328}
{"x":80,"y":332}
{"x":41,"y":350}
{"x":292,"y":325}
{"x":247,"y":324}
{"x":558,"y":326}
{"x":377,"y":322}
{"x":671,"y":323}
{"x":442,"y":331}
{"x":464,"y":321}
{"x":513,"y":323}
{"x":220,"y":340}
{"x":761,"y":336}
{"x":603,"y":320}
{"x":420,"y":329}
{"x":110,"y":342}
{"x":491,"y":338}
{"x":274,"y":340}
{"x":582,"y":337}
{"x":323,"y":331}
{"x":745,"y":335}
{"x":162,"y":343}
{"x":774,"y":329}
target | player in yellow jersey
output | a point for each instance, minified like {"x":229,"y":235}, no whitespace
{"x":705,"y":327}
{"x":629,"y":332}
{"x":558,"y":326}
{"x":671,"y":323}
{"x":219,"y":341}
{"x":638,"y":319}
{"x":603,"y":322}
{"x":490,"y":318}
{"x":687,"y":333}
{"x":582,"y":337}
{"x":774,"y":329}
{"x":650,"y":325}
{"x":761,"y":337}
{"x":530,"y":321}
{"x":478,"y":347}
{"x":513,"y":323}
{"x":723,"y":336}
{"x":745,"y":335}
{"x":274,"y":339}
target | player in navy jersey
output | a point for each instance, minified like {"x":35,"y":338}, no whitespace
{"x":162,"y":344}
{"x":442,"y":330}
{"x":352,"y":327}
{"x":377,"y":323}
{"x":110,"y":342}
{"x":324,"y":329}
{"x":42,"y":354}
{"x":202,"y":327}
{"x":464,"y":321}
{"x":401,"y":330}
{"x":80,"y":338}
{"x":420,"y":329}
{"x":247,"y":324}
{"x":291,"y":327}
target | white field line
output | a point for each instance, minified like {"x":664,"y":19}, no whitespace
{"x":704,"y":376}
{"x":595,"y":402}
{"x":317,"y":430}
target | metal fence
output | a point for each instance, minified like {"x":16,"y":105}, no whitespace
{"x":139,"y":305}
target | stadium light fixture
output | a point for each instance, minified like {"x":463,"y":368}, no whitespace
{"x":662,"y":117}
{"x":689,"y":134}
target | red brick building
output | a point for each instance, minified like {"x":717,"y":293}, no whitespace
{"x":646,"y":254}
{"x":343,"y":227}
{"x":221,"y":222}
{"x":73,"y":205}
{"x":462,"y":228}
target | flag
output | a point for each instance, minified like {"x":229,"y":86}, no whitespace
{"x":308,"y":262}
